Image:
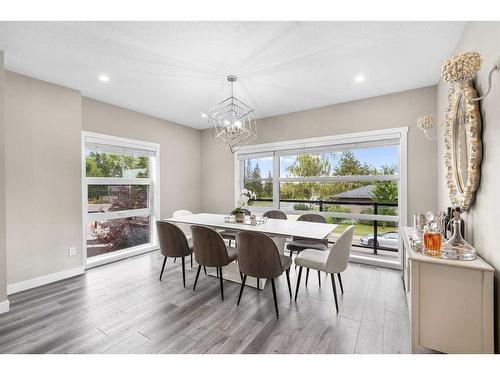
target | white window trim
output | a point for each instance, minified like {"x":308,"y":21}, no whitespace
{"x":153,"y":181}
{"x":267,"y":149}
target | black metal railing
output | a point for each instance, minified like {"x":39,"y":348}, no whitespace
{"x":321,"y":208}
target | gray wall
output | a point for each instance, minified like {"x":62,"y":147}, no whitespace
{"x":482,"y":219}
{"x":180,"y":150}
{"x":42,"y":132}
{"x":43,"y":124}
{"x":388,"y":111}
{"x":3,"y":257}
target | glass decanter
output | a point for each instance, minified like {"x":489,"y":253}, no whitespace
{"x":456,"y":248}
{"x":432,"y":237}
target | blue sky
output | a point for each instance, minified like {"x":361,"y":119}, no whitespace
{"x":374,"y":156}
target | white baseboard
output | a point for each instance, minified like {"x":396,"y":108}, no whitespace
{"x":4,"y":306}
{"x":42,"y":280}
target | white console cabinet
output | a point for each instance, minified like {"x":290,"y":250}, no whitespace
{"x":450,"y":302}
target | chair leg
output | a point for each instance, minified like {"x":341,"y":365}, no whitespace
{"x":217,"y":269}
{"x":191,"y":260}
{"x":298,"y":283}
{"x":196,"y":280}
{"x":307,"y":276}
{"x":163,"y":267}
{"x":340,"y":282}
{"x":175,"y":259}
{"x":241,"y":289}
{"x":275,"y":299}
{"x":258,"y":283}
{"x":288,"y":282}
{"x":319,"y":278}
{"x":221,"y":284}
{"x":205,"y":269}
{"x":334,"y":292}
{"x":183,"y":272}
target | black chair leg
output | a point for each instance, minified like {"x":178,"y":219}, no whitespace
{"x":163,"y":267}
{"x":197,"y":274}
{"x":191,"y":260}
{"x":340,"y":281}
{"x":298,"y":283}
{"x":221,"y":283}
{"x":275,"y":299}
{"x":217,"y":269}
{"x":183,"y":272}
{"x":258,"y":283}
{"x":288,"y":282}
{"x":241,"y":289}
{"x":319,"y":278}
{"x":175,"y":260}
{"x":334,"y":292}
{"x":307,"y":276}
{"x":205,"y":269}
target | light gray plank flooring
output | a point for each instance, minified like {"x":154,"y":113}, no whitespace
{"x":123,"y":308}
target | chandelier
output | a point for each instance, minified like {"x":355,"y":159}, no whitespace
{"x":232,"y":121}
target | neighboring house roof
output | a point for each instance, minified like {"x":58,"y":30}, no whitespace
{"x":363,"y":192}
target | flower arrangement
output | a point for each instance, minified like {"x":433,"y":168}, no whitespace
{"x":245,"y":196}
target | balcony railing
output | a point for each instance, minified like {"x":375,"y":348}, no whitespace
{"x":321,"y":207}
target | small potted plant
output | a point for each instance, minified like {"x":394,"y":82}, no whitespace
{"x":245,"y":196}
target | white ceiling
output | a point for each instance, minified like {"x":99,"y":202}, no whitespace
{"x":177,"y":70}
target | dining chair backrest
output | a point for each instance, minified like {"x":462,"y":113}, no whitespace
{"x":186,"y":228}
{"x":339,"y":254}
{"x":313,"y":218}
{"x":172,"y":240}
{"x":258,"y":255}
{"x":209,"y":247}
{"x":275,"y":214}
{"x":180,"y":213}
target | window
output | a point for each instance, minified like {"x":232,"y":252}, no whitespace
{"x":350,"y":180}
{"x":120,"y":185}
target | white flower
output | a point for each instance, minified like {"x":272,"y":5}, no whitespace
{"x":243,"y":202}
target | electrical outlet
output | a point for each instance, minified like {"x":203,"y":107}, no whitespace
{"x":72,"y":251}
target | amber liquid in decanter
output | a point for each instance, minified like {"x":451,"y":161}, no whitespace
{"x":432,"y":244}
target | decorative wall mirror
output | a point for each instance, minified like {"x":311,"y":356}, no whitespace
{"x":463,"y":130}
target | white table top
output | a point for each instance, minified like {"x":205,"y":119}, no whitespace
{"x":273,"y":226}
{"x":477,"y":263}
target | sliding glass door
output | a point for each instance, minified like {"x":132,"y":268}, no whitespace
{"x":120,"y":196}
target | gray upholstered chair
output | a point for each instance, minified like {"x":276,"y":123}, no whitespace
{"x":211,"y":251}
{"x":280,"y":241}
{"x":231,"y":234}
{"x":174,"y":244}
{"x":300,"y":243}
{"x":259,"y":257}
{"x":275,"y":214}
{"x":184,"y":227}
{"x":333,"y":262}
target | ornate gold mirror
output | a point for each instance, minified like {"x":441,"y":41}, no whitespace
{"x":463,"y":130}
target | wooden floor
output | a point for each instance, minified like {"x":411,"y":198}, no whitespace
{"x":123,"y":308}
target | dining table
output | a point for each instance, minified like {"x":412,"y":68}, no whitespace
{"x":279,"y":230}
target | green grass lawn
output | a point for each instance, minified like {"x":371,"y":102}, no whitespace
{"x":361,"y":229}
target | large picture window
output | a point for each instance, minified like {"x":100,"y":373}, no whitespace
{"x":120,"y":185}
{"x":355,"y":180}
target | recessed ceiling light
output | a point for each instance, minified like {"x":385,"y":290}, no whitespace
{"x":204,"y":115}
{"x":103,"y":78}
{"x":359,"y":78}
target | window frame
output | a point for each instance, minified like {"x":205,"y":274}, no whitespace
{"x":153,"y":210}
{"x":394,"y":136}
